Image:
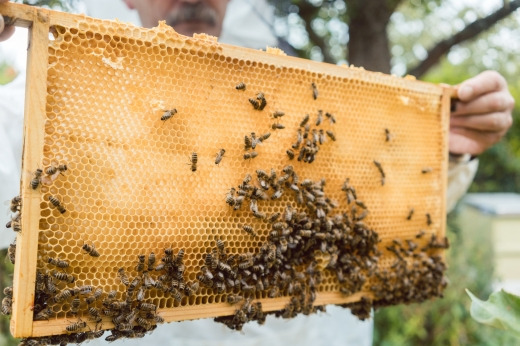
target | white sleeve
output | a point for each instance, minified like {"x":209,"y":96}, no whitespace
{"x":11,"y":136}
{"x":461,"y":172}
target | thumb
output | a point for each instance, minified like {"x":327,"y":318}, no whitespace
{"x":5,"y":31}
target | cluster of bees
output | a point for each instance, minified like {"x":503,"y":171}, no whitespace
{"x":131,"y":316}
{"x":308,"y":140}
{"x":416,"y":273}
{"x":300,"y":238}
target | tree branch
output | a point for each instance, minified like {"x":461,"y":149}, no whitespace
{"x":308,"y":12}
{"x":470,"y":31}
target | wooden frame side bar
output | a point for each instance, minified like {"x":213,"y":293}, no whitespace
{"x":27,"y":241}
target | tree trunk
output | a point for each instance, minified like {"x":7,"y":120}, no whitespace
{"x":368,"y":44}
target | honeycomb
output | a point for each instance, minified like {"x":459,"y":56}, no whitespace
{"x":146,"y":138}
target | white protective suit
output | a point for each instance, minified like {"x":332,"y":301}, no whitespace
{"x":335,"y":327}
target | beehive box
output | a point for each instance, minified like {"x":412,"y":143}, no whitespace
{"x":125,"y":109}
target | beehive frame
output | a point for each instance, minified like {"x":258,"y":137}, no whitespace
{"x":200,"y":84}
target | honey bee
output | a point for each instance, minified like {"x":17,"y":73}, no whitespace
{"x":410,"y":214}
{"x":15,"y":224}
{"x":11,"y":252}
{"x":278,"y":114}
{"x":220,"y":246}
{"x":331,"y":117}
{"x":57,"y":262}
{"x":140,"y":264}
{"x":76,"y":326}
{"x":380,"y":168}
{"x":259,"y":215}
{"x":277,"y":126}
{"x":219,"y":156}
{"x":113,"y":337}
{"x":264,"y":137}
{"x":7,"y":306}
{"x":319,"y":119}
{"x":261,"y":97}
{"x":314,"y":90}
{"x":48,"y":283}
{"x":64,"y":277}
{"x":16,"y":204}
{"x":388,"y":135}
{"x":35,"y":182}
{"x":305,"y":120}
{"x":56,"y":203}
{"x":249,"y":230}
{"x":65,"y":294}
{"x":43,"y":315}
{"x":176,"y":295}
{"x":230,"y":199}
{"x":83,"y":290}
{"x":331,"y":135}
{"x":147,"y":307}
{"x":193,"y":161}
{"x":247,"y":143}
{"x":94,"y":313}
{"x":123,"y":277}
{"x":51,"y":170}
{"x":426,"y":170}
{"x":62,"y":168}
{"x":250,"y":155}
{"x":8,"y":291}
{"x":74,"y":306}
{"x":289,"y":212}
{"x":255,"y":103}
{"x":191,"y":289}
{"x":234,"y":298}
{"x":273,"y":218}
{"x":254,"y":141}
{"x":428,"y":219}
{"x":321,"y":137}
{"x":97,"y":293}
{"x":420,"y":234}
{"x":306,"y":128}
{"x":180,"y":256}
{"x":151,"y":261}
{"x":168,"y":113}
{"x":241,"y":86}
{"x":315,"y":137}
{"x":90,"y":249}
{"x":277,"y":194}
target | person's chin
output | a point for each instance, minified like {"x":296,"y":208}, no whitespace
{"x":188,"y":29}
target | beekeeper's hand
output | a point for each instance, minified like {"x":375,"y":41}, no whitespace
{"x":482,"y":114}
{"x":5,"y":31}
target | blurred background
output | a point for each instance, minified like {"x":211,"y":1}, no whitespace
{"x":399,"y":37}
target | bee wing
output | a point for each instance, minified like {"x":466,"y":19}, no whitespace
{"x":49,"y":179}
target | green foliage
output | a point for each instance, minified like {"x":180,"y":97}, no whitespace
{"x":7,"y":73}
{"x":447,"y":321}
{"x":501,"y":310}
{"x":6,"y":279}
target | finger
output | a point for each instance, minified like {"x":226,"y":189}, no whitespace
{"x":488,"y":103}
{"x":491,"y":122}
{"x":483,"y":83}
{"x":462,"y":140}
{"x":6,"y":33}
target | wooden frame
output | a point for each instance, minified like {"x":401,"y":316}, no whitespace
{"x":39,"y":21}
